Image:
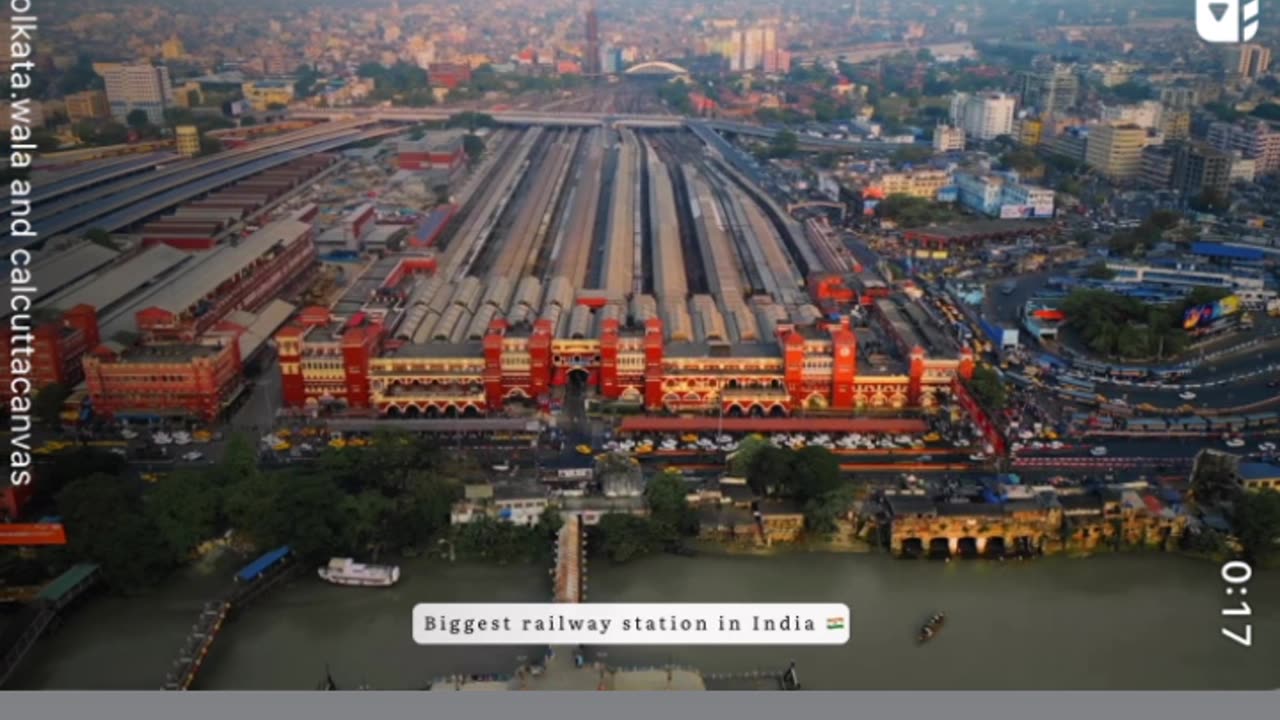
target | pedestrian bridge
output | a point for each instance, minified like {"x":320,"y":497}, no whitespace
{"x":571,"y":563}
{"x":49,"y":604}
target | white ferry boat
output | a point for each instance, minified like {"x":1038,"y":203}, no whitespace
{"x":345,"y":571}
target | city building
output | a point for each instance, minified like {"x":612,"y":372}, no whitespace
{"x":591,"y":57}
{"x":1116,"y":151}
{"x":755,"y":48}
{"x":1157,"y":166}
{"x":173,"y":49}
{"x":1243,"y":169}
{"x":146,"y":382}
{"x":231,"y":278}
{"x":1199,"y":168}
{"x":1145,"y":114}
{"x":1110,"y":74}
{"x":263,"y":94}
{"x":1255,"y":140}
{"x":1175,"y":124}
{"x":87,"y":105}
{"x":448,"y":75}
{"x":984,"y":116}
{"x":1071,"y":144}
{"x":923,"y":184}
{"x":188,"y":140}
{"x":1052,"y":90}
{"x":1028,"y":131}
{"x":442,"y":150}
{"x":1252,"y":60}
{"x":59,"y":344}
{"x":1001,"y":196}
{"x":136,"y":86}
{"x":324,"y":358}
{"x":948,"y":139}
{"x":1185,"y":276}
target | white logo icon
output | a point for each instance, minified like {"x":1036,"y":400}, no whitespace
{"x":1227,"y":21}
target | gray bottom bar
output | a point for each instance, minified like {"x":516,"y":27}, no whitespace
{"x":643,"y":706}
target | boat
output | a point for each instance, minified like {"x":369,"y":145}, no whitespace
{"x":931,"y":627}
{"x":345,"y":571}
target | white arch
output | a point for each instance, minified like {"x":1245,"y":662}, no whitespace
{"x":656,"y":67}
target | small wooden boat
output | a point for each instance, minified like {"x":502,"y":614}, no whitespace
{"x":931,"y":628}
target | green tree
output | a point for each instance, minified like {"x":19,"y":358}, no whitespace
{"x":625,"y":537}
{"x":106,"y":524}
{"x":822,"y":514}
{"x":669,"y":510}
{"x":815,"y":471}
{"x":304,"y":510}
{"x":137,"y":119}
{"x":739,"y":464}
{"x":1256,"y":522}
{"x":47,"y":405}
{"x":185,"y":510}
{"x":784,"y":145}
{"x":768,"y":470}
{"x":987,"y":387}
{"x":1099,"y":271}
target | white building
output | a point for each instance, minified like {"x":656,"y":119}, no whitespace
{"x":1243,"y":169}
{"x":1145,"y":114}
{"x":1003,"y":197}
{"x":136,"y":86}
{"x":948,"y":139}
{"x":984,"y":116}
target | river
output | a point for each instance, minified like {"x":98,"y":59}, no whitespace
{"x":1108,"y":622}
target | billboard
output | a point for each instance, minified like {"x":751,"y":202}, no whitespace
{"x":1017,"y":212}
{"x":1042,"y":209}
{"x":1204,"y":315}
{"x":948,"y":194}
{"x":869,"y":206}
{"x":32,"y":534}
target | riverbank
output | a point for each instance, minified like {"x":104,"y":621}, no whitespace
{"x":1048,"y":624}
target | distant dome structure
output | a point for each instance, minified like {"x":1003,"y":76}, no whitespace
{"x":656,"y":67}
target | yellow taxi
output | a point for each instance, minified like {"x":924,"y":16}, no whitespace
{"x":585,"y":450}
{"x":282,"y":446}
{"x":337,"y":443}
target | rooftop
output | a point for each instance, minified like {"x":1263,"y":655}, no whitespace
{"x":221,"y":264}
{"x":117,"y":282}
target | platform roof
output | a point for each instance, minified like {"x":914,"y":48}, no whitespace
{"x":223,"y":263}
{"x":55,"y":271}
{"x":109,"y":287}
{"x":772,"y":425}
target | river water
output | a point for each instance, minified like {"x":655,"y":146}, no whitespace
{"x":1109,"y":622}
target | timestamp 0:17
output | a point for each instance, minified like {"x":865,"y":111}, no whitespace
{"x":1236,"y":574}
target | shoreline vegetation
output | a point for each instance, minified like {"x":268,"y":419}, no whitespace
{"x":396,"y":497}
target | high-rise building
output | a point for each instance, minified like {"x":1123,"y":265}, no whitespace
{"x":1179,"y":97}
{"x":1145,"y":114}
{"x":591,"y":61}
{"x":1157,"y":166}
{"x":984,"y":116}
{"x":1199,"y":168}
{"x":1116,"y":150}
{"x":1053,"y":90}
{"x":733,"y":48}
{"x":753,"y":49}
{"x":1255,"y":140}
{"x":948,"y":139}
{"x":1028,"y":131}
{"x":1252,"y":60}
{"x":87,"y":105}
{"x":136,"y":86}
